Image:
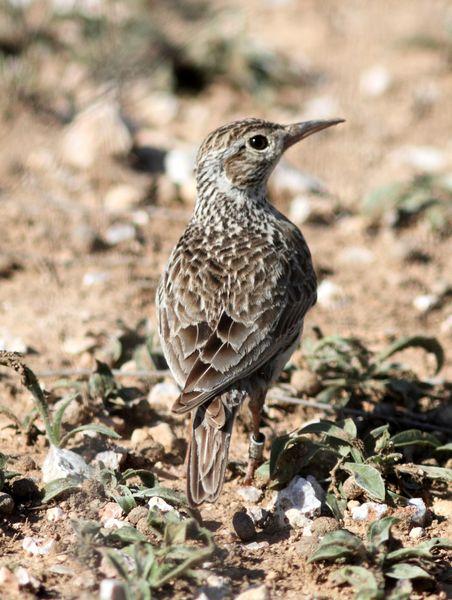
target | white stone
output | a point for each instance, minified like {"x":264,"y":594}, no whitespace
{"x":300,"y":209}
{"x":37,"y":546}
{"x":298,"y":502}
{"x":290,"y":180}
{"x":368,"y":510}
{"x":249,"y":493}
{"x":330,"y":295}
{"x":120,"y":232}
{"x":55,"y":514}
{"x":163,"y":393}
{"x":416,"y":533}
{"x":140,"y":217}
{"x":424,"y":159}
{"x":420,"y":512}
{"x":179,"y":165}
{"x":77,"y":345}
{"x":110,"y":459}
{"x":114,"y":523}
{"x":60,"y":463}
{"x":356,"y":256}
{"x":96,"y":132}
{"x":375,"y":81}
{"x":111,"y":589}
{"x":425,"y":302}
{"x":94,"y":278}
{"x":160,"y":504}
{"x":162,"y":433}
{"x":122,"y":198}
{"x":11,"y":343}
{"x":254,"y":593}
{"x":321,"y":107}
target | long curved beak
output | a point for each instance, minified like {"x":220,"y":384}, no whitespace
{"x":299,"y":131}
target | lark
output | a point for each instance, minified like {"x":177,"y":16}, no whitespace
{"x":233,"y":297}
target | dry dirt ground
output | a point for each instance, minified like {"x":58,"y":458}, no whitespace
{"x":65,"y":291}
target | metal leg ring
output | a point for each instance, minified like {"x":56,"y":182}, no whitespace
{"x":256,"y":449}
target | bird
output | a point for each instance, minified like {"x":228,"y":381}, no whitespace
{"x":233,"y":296}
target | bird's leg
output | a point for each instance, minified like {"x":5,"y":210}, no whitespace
{"x":257,"y":439}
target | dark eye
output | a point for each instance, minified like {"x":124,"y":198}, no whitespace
{"x":258,"y":142}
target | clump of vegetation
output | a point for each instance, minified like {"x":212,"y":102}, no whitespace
{"x":427,"y":197}
{"x":390,"y":569}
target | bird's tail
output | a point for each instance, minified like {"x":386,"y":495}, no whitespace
{"x":208,"y":451}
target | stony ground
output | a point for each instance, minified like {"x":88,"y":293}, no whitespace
{"x":99,"y":127}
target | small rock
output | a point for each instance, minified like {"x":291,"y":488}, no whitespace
{"x":95,"y":133}
{"x":442,"y":507}
{"x":60,"y":463}
{"x":254,"y":593}
{"x":6,"y":504}
{"x":122,"y":198}
{"x":94,"y":278}
{"x":425,"y":302}
{"x":257,"y":545}
{"x":163,"y":395}
{"x":243,"y":526}
{"x":111,"y":459}
{"x":305,"y":382}
{"x":416,"y":533}
{"x":137,"y":513}
{"x":179,"y":165}
{"x":351,"y":489}
{"x":55,"y":514}
{"x":300,"y":209}
{"x":120,"y":232}
{"x":369,"y":511}
{"x":293,"y":182}
{"x":163,"y":434}
{"x":78,"y":345}
{"x":161,"y":505}
{"x":298,"y":502}
{"x":12,"y":344}
{"x":249,"y":494}
{"x":111,"y":510}
{"x":423,"y":159}
{"x":330,"y":295}
{"x":258,"y":514}
{"x":112,"y":589}
{"x":306,"y":546}
{"x":114,"y":524}
{"x":420,"y":511}
{"x":37,"y":546}
{"x":25,"y":489}
{"x":356,"y":256}
{"x":321,"y":107}
{"x":323,"y":525}
{"x":375,"y":81}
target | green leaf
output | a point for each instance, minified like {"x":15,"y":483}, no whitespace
{"x":147,"y":477}
{"x":350,"y":428}
{"x":412,"y":437}
{"x":171,"y":496}
{"x":429,"y":344}
{"x":402,"y":591}
{"x":176,"y":532}
{"x":125,"y":500}
{"x":337,"y":507}
{"x":368,"y":478}
{"x":127,"y":535}
{"x":380,"y":531}
{"x":445,"y":448}
{"x":118,"y":563}
{"x":278,"y":445}
{"x":421,"y":551}
{"x":59,"y":486}
{"x":338,"y":544}
{"x":436,"y":472}
{"x":362,"y":580}
{"x":328,"y":428}
{"x":97,"y":427}
{"x":406,"y":571}
{"x":58,"y":416}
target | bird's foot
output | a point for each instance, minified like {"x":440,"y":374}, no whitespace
{"x":255,"y":453}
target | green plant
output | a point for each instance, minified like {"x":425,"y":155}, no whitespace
{"x":385,"y":562}
{"x":52,"y":423}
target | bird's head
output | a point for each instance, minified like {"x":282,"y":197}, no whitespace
{"x":244,"y":153}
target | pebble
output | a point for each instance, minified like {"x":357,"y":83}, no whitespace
{"x":420,"y":512}
{"x":321,"y":107}
{"x":249,"y":493}
{"x":369,"y":511}
{"x":37,"y":546}
{"x":291,"y":181}
{"x":425,"y":302}
{"x":375,"y":81}
{"x":443,"y":507}
{"x":25,"y":489}
{"x":137,"y":513}
{"x":423,"y":159}
{"x":351,"y":489}
{"x":122,"y":198}
{"x":243,"y":526}
{"x":120,"y":232}
{"x":94,"y":278}
{"x":259,"y":592}
{"x":111,"y":510}
{"x":179,"y":165}
{"x":162,"y":505}
{"x":6,"y":504}
{"x":12,"y":343}
{"x":300,"y":209}
{"x":416,"y":533}
{"x":111,"y":589}
{"x":330,"y":295}
{"x":163,"y":394}
{"x":305,"y":382}
{"x":298,"y":502}
{"x":60,"y":463}
{"x":163,"y":434}
{"x":258,"y":514}
{"x":78,"y":345}
{"x":55,"y":514}
{"x":111,"y":459}
{"x":96,"y":132}
{"x":323,"y":525}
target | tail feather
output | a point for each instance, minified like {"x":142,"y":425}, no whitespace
{"x":208,"y":454}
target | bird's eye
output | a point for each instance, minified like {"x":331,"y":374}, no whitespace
{"x":258,"y":142}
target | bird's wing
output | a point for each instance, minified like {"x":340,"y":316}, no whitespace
{"x":217,"y":328}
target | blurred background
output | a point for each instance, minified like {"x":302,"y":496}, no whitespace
{"x":104,"y":102}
